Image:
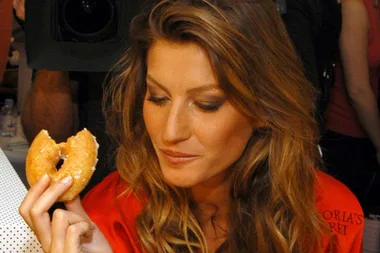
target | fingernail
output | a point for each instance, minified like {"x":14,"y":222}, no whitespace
{"x":66,"y":180}
{"x":44,"y":177}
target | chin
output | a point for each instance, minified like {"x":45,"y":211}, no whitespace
{"x":180,"y":178}
{"x":180,"y":182}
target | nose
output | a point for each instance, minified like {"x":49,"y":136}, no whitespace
{"x":177,"y":126}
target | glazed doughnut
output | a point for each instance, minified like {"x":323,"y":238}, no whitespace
{"x":79,"y":155}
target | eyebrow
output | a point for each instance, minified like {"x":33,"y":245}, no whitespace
{"x":193,"y":90}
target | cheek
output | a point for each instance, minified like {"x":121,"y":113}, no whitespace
{"x":225,"y":135}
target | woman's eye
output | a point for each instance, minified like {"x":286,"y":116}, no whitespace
{"x":209,"y":107}
{"x":157,"y":100}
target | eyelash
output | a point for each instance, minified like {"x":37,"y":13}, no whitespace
{"x":210,"y":107}
{"x":157,"y":100}
{"x":204,"y":107}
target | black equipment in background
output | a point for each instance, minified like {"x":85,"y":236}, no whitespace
{"x":78,"y":35}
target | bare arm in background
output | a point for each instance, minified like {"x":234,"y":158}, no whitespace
{"x":51,"y":101}
{"x":51,"y":105}
{"x":354,"y":54}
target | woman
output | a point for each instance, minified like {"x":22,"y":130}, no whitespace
{"x":352,"y":142}
{"x":217,"y":145}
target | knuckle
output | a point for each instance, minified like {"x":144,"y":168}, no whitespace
{"x":59,"y":215}
{"x":23,"y":211}
{"x":77,"y":229}
{"x":34,"y":211}
{"x":73,"y":230}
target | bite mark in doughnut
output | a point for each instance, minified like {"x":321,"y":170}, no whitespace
{"x":79,"y":154}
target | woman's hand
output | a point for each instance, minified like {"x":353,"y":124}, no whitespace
{"x":69,"y":231}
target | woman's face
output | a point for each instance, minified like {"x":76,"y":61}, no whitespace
{"x":196,"y":132}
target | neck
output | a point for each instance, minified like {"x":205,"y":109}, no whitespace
{"x":211,"y":208}
{"x":211,"y":194}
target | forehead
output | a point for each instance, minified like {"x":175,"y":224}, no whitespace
{"x":173,"y":63}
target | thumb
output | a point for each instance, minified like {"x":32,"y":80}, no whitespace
{"x":75,"y":205}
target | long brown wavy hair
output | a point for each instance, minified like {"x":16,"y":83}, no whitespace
{"x":272,"y":192}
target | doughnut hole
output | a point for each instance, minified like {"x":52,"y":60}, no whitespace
{"x":59,"y":164}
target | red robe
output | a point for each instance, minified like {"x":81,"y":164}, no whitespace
{"x":115,"y":217}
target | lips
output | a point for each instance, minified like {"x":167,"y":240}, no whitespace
{"x":177,"y":158}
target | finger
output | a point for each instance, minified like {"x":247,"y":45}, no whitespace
{"x":31,"y":197}
{"x":75,"y":206}
{"x":20,"y":14}
{"x":19,"y":6}
{"x":62,"y":219}
{"x":78,"y":233}
{"x":39,"y":212}
{"x":15,"y":3}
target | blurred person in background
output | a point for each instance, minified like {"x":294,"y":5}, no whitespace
{"x":6,"y":18}
{"x":314,"y":27}
{"x":64,"y":103}
{"x":351,"y":145}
